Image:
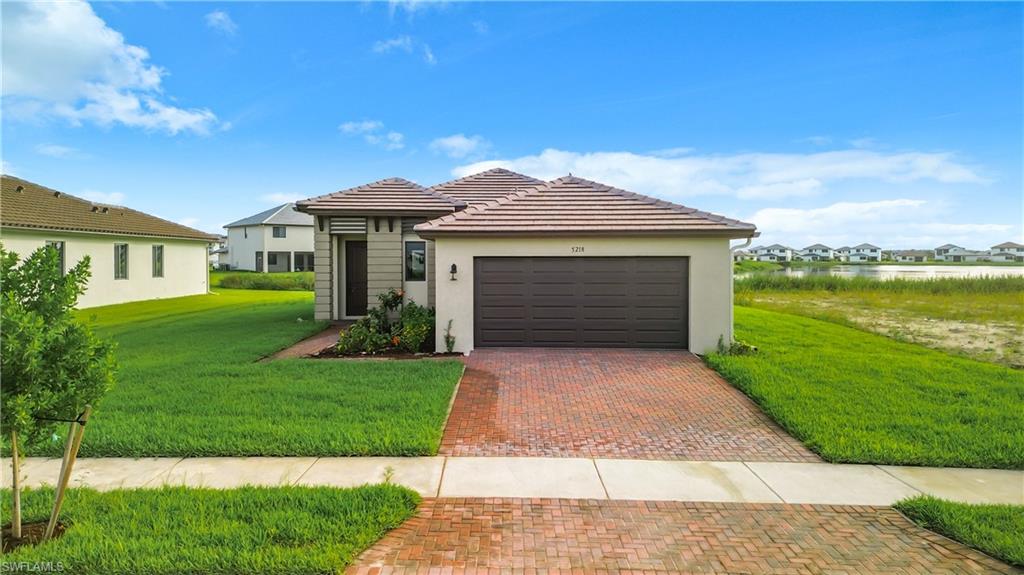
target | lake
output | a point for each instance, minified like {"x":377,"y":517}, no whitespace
{"x":898,"y":271}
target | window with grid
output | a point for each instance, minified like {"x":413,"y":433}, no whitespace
{"x":120,"y":261}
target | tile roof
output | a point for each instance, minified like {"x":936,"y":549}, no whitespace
{"x":1007,"y":245}
{"x":390,"y":196}
{"x":573,"y":205}
{"x":947,"y":247}
{"x":866,"y":247}
{"x":486,"y":186}
{"x":24,"y":204}
{"x":817,"y":247}
{"x":283,"y":215}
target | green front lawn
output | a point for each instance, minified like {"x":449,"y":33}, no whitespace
{"x":190,"y":385}
{"x":251,"y":530}
{"x":852,"y":396}
{"x":994,"y":529}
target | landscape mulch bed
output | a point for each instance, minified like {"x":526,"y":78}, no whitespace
{"x":31,"y":534}
{"x":332,"y":353}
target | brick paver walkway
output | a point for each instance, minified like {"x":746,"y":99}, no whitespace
{"x":313,"y":343}
{"x":588,"y":536}
{"x":637,"y":404}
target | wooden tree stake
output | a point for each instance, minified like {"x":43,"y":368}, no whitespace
{"x":16,"y":486}
{"x":70,"y":454}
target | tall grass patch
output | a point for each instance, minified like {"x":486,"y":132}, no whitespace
{"x":284,"y":281}
{"x":830,"y":283}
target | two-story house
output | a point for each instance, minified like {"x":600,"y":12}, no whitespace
{"x":864,"y":253}
{"x":1007,"y":252}
{"x":773,"y":253}
{"x":943,"y":251}
{"x":816,"y":253}
{"x":911,"y":255}
{"x":277,"y":240}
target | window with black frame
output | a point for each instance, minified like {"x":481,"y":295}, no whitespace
{"x":59,"y":246}
{"x":158,"y":261}
{"x":120,"y":261}
{"x":415,"y":261}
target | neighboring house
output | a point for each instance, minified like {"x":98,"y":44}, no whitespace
{"x":508,"y":260}
{"x":133,"y":256}
{"x":1007,"y":252}
{"x":942,"y":251}
{"x":277,"y":240}
{"x":842,"y":254}
{"x":219,"y":252}
{"x":742,"y":256}
{"x":774,"y":253}
{"x":958,"y":254}
{"x":817,"y":253}
{"x":864,"y":253}
{"x":912,"y":255}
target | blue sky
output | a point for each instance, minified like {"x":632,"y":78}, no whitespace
{"x":896,"y":124}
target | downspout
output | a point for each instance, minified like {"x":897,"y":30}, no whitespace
{"x":732,"y":281}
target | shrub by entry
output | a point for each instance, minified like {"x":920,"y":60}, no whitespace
{"x":380,"y":331}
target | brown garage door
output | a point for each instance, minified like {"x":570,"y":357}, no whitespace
{"x":581,"y":302}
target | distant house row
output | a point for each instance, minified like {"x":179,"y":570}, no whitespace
{"x":863,"y":253}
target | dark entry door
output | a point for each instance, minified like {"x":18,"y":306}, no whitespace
{"x":355,"y":278}
{"x":581,"y":302}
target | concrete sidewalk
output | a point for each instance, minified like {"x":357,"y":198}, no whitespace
{"x":569,"y":478}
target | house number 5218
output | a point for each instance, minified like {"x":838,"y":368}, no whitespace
{"x":577,"y":249}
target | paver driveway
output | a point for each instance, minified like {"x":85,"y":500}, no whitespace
{"x":588,"y":536}
{"x":637,"y":404}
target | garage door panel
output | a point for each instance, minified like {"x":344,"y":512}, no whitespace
{"x":581,"y":302}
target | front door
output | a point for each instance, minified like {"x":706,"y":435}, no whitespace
{"x":259,"y":261}
{"x":355,"y":278}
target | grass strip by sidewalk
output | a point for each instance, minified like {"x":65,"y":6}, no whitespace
{"x":857,"y":397}
{"x":252,"y":530}
{"x":997,"y":530}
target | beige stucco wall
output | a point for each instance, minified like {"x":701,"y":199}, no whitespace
{"x":185,"y":264}
{"x":710,"y":277}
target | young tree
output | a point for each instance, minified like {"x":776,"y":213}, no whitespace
{"x":52,"y":364}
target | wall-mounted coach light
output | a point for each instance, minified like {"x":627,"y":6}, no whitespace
{"x":453,"y":271}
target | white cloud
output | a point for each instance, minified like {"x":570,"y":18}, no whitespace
{"x":361,"y":127}
{"x":481,"y":27}
{"x":892,"y":224}
{"x":113,"y":198}
{"x":221,"y":21}
{"x":460,"y":146}
{"x":864,"y":143}
{"x":281,"y":198}
{"x":61,"y":60}
{"x":413,"y":7}
{"x":189,"y":222}
{"x":405,"y":44}
{"x":750,"y":175}
{"x":402,"y":43}
{"x":373,"y":133}
{"x":56,"y":150}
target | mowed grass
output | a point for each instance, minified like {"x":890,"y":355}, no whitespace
{"x":997,"y":530}
{"x":190,"y":384}
{"x":252,"y":530}
{"x":856,"y":397}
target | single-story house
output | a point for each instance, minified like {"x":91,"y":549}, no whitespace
{"x":276,"y":240}
{"x":773,"y":253}
{"x":133,"y":256}
{"x":1007,"y":252}
{"x":509,"y":260}
{"x":912,"y":255}
{"x":816,"y":253}
{"x":742,"y":256}
{"x":864,"y":253}
{"x":958,"y":254}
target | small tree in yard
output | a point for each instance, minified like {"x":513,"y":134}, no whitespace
{"x":52,"y":364}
